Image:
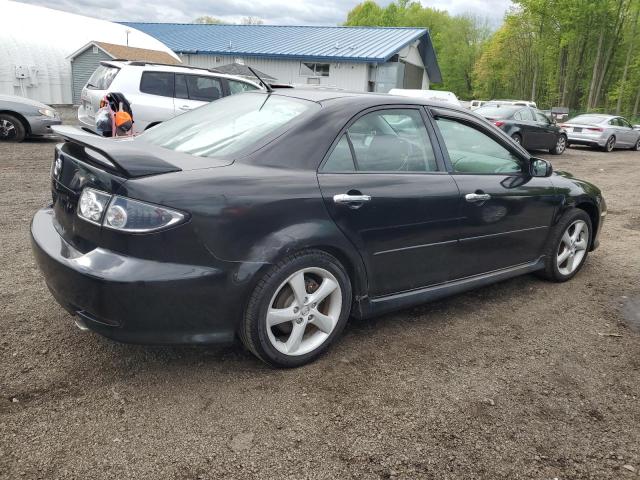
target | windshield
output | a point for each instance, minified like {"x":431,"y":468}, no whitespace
{"x":495,"y":111}
{"x":587,"y":119}
{"x":228,"y":125}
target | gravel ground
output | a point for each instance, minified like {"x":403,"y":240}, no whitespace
{"x":523,"y":379}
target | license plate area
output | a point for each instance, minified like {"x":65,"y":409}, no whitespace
{"x":577,"y":130}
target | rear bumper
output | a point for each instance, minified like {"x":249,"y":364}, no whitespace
{"x":596,"y":140}
{"x":136,"y":300}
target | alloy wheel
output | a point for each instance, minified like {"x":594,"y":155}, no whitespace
{"x":516,"y":138}
{"x":610,"y":144}
{"x":638,"y":144}
{"x":573,"y":247}
{"x":304,"y":311}
{"x":562,"y":144}
{"x":7,"y":130}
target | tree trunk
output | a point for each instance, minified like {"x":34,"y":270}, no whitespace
{"x":610,"y":51}
{"x":626,"y":63}
{"x":594,"y":75}
{"x":637,"y":104}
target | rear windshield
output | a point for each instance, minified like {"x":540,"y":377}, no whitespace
{"x":496,"y":111}
{"x":587,"y":119}
{"x":102,"y":77}
{"x":228,"y":125}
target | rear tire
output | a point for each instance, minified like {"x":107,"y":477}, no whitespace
{"x":610,"y":145}
{"x":11,"y":129}
{"x":297,"y":309}
{"x":517,"y":138}
{"x":560,"y":147}
{"x":567,"y":246}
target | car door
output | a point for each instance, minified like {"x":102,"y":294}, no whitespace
{"x":548,"y":131}
{"x":386,"y":188}
{"x":193,"y":91}
{"x":504,"y":212}
{"x":626,"y":132}
{"x":527,"y":127}
{"x":155,"y":102}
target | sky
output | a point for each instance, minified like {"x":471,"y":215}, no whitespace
{"x":278,"y":12}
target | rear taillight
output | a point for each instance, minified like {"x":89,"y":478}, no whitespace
{"x":562,"y":125}
{"x":595,"y":129}
{"x":498,"y":123}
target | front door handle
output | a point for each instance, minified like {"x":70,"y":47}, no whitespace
{"x":477,"y":197}
{"x":345,"y":198}
{"x":185,"y":107}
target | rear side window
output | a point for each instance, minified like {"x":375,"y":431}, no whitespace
{"x":239,"y":87}
{"x":204,"y":89}
{"x":102,"y":77}
{"x":542,"y":118}
{"x":385,"y":141}
{"x":157,"y":83}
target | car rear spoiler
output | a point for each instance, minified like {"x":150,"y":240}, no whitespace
{"x":120,"y":154}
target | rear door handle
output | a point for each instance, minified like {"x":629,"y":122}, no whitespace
{"x":345,"y":198}
{"x":477,"y":197}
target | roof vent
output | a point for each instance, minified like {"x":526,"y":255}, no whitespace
{"x":337,"y":45}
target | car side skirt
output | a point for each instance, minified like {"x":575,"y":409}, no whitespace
{"x":371,"y":307}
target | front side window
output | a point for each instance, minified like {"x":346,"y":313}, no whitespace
{"x":625,"y":123}
{"x":542,"y":118}
{"x":228,"y":125}
{"x":472,"y":151}
{"x":103,"y":76}
{"x":314,"y":69}
{"x":385,"y":141}
{"x":239,"y":87}
{"x":157,"y":83}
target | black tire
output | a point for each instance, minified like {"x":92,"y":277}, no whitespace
{"x":610,"y":145}
{"x":551,"y":271}
{"x":516,"y":137}
{"x":253,"y":330}
{"x":11,"y":129}
{"x":560,"y":146}
{"x":636,"y":147}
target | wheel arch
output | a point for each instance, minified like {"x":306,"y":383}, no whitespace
{"x":23,"y":120}
{"x":592,"y":211}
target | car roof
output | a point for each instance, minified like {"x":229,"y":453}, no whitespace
{"x":367,"y":99}
{"x":162,"y":67}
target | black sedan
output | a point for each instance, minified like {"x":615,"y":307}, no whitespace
{"x":274,"y":216}
{"x":527,"y":126}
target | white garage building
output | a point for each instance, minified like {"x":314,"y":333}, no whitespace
{"x":36,"y":41}
{"x":355,"y":58}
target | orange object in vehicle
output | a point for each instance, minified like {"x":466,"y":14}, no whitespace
{"x":123,"y":120}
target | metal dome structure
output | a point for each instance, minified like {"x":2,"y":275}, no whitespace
{"x":36,"y":41}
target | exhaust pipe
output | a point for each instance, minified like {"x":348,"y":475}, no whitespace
{"x":80,"y":324}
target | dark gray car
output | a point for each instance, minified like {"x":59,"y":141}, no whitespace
{"x":22,"y":117}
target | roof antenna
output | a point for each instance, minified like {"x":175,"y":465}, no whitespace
{"x":266,"y":85}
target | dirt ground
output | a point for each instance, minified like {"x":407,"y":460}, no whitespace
{"x":524,"y":379}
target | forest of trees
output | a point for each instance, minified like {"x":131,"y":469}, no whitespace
{"x":581,"y":54}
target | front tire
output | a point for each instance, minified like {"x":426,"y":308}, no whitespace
{"x":297,"y":309}
{"x":11,"y":129}
{"x":567,"y":246}
{"x":610,"y":145}
{"x":636,"y":147}
{"x":560,"y":147}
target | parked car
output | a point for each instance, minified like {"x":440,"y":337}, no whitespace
{"x":476,"y":104}
{"x":22,"y":117}
{"x":276,"y":216}
{"x":527,"y":126}
{"x":522,"y":103}
{"x":603,"y":131}
{"x":433,"y":95}
{"x":156,"y":92}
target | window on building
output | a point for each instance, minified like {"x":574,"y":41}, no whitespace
{"x":314,"y":69}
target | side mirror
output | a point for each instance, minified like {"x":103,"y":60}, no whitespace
{"x":540,"y":167}
{"x":636,"y":127}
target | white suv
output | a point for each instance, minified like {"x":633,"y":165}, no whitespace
{"x":156,"y":92}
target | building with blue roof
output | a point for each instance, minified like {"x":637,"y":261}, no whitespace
{"x":374,"y":59}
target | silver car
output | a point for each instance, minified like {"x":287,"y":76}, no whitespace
{"x":22,"y":117}
{"x":604,"y":131}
